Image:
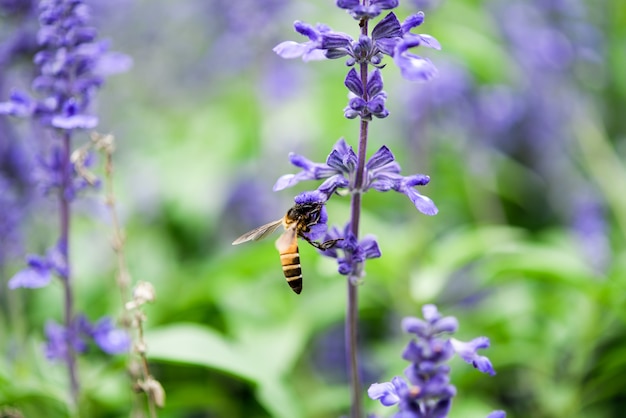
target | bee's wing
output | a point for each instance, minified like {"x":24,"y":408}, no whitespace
{"x":259,"y":233}
{"x":288,"y":241}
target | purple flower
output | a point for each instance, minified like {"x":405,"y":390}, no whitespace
{"x":72,"y":65}
{"x":368,"y":101}
{"x":413,"y":67}
{"x":382,"y":174}
{"x":355,"y":252}
{"x":309,"y":50}
{"x":427,"y":391}
{"x":373,"y":9}
{"x":388,"y":392}
{"x":340,"y":162}
{"x":58,"y":338}
{"x":40,"y":269}
{"x":394,"y":39}
{"x":110,"y":339}
{"x":468,"y":352}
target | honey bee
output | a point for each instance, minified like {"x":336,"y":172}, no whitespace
{"x":297,"y":222}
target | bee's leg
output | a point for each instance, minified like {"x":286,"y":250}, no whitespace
{"x":322,"y":245}
{"x":329,"y":244}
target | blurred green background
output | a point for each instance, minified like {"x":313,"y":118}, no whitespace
{"x":523,"y":135}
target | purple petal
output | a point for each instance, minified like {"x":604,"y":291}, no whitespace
{"x":442,"y":408}
{"x":310,"y":197}
{"x":75,"y":122}
{"x":330,"y":185}
{"x":416,"y":326}
{"x":380,"y":158}
{"x":385,"y":4}
{"x":430,"y":313}
{"x":388,"y":27}
{"x":413,"y":67}
{"x":30,"y":278}
{"x":422,"y":203}
{"x":385,"y":392}
{"x":374,"y":83}
{"x":307,"y":30}
{"x":347,"y":4}
{"x":291,"y":49}
{"x":288,"y":180}
{"x":412,"y":22}
{"x":497,"y":414}
{"x":110,"y":339}
{"x":335,"y":40}
{"x":429,"y":41}
{"x":353,"y":82}
{"x":370,"y":247}
{"x":416,"y":180}
{"x":446,"y":324}
{"x":468,"y":352}
{"x":112,"y":63}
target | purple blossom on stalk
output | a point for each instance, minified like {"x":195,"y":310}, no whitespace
{"x":427,"y":391}
{"x":382,"y":173}
{"x":110,"y":339}
{"x":72,"y":65}
{"x":103,"y":333}
{"x":355,"y":252}
{"x":373,"y":9}
{"x":389,"y":37}
{"x":365,"y":101}
{"x":347,"y":171}
{"x":40,"y":269}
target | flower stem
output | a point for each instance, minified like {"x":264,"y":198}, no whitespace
{"x":64,"y":201}
{"x":352,"y":308}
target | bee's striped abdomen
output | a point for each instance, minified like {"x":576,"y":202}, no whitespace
{"x":290,"y":261}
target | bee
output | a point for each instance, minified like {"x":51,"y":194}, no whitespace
{"x":297,"y":223}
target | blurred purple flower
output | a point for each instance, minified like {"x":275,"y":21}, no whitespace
{"x":58,"y":336}
{"x":72,"y":65}
{"x":40,"y":269}
{"x":110,"y":339}
{"x":427,"y":392}
{"x":468,"y":352}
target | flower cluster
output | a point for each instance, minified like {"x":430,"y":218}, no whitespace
{"x":72,"y":66}
{"x":110,"y":339}
{"x":389,"y":37}
{"x":355,"y":251}
{"x":382,"y":173}
{"x":428,"y":392}
{"x":365,"y":101}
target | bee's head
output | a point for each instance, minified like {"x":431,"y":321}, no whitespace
{"x":309,"y":211}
